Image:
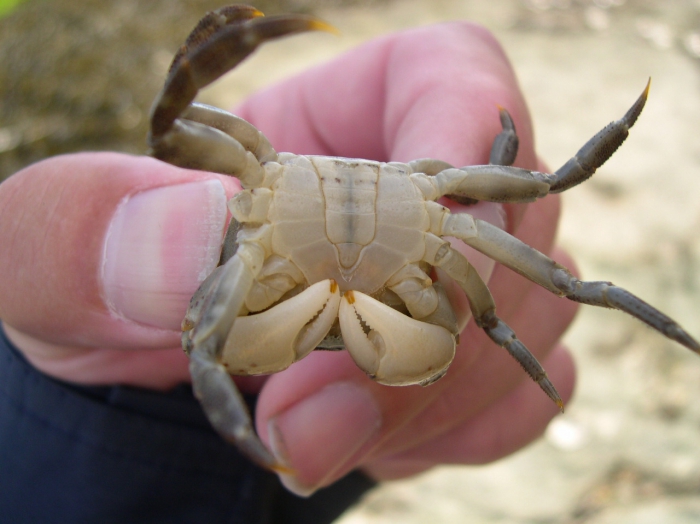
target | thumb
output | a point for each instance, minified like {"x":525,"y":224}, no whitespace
{"x":102,"y":251}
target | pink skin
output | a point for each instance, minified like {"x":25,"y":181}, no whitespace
{"x":91,"y":303}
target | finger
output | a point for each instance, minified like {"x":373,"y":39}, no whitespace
{"x":341,"y":418}
{"x":428,"y":92}
{"x":540,"y":322}
{"x":104,"y":251}
{"x":351,"y":420}
{"x":537,"y":316}
{"x":303,"y":115}
{"x":506,"y":426}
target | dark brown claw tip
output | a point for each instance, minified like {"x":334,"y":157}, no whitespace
{"x":210,"y":24}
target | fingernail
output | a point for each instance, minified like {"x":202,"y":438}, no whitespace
{"x":160,"y":246}
{"x":317,"y":436}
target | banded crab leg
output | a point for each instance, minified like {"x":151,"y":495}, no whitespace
{"x":440,"y":254}
{"x":508,"y":184}
{"x":221,"y":40}
{"x":503,"y":152}
{"x":542,"y":270}
{"x":503,"y":183}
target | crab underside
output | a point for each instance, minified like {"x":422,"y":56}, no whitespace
{"x":333,"y":253}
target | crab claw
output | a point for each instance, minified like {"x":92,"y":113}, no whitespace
{"x":271,"y":341}
{"x":397,"y":350}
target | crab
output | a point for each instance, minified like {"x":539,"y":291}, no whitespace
{"x":337,"y":253}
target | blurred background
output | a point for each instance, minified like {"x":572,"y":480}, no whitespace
{"x":78,"y":76}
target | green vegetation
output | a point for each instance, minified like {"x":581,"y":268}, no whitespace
{"x":8,"y":5}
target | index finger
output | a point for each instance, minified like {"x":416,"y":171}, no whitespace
{"x":427,"y":92}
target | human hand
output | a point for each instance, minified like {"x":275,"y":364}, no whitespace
{"x":102,"y":252}
{"x":430,"y":92}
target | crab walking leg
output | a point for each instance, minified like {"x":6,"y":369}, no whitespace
{"x":210,"y":25}
{"x":245,"y":133}
{"x":598,"y":149}
{"x":429,"y":166}
{"x":499,"y":182}
{"x":492,"y":183}
{"x":470,"y":184}
{"x":505,"y":146}
{"x":219,"y":43}
{"x":193,"y":145}
{"x":194,"y":309}
{"x":214,"y":57}
{"x":503,"y":150}
{"x":440,"y":254}
{"x":211,"y":139}
{"x":214,"y":317}
{"x":518,"y":256}
{"x":225,"y":407}
{"x":230,"y":244}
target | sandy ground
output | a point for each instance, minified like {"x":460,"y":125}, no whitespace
{"x":628,"y":448}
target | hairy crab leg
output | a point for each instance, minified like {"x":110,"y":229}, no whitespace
{"x":499,"y":182}
{"x":222,"y":40}
{"x":539,"y":268}
{"x":210,"y":24}
{"x":598,"y":149}
{"x":440,"y":254}
{"x":222,"y":50}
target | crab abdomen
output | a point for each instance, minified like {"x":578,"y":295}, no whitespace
{"x":355,"y":221}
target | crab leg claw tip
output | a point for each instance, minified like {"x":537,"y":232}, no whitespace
{"x":391,"y":347}
{"x":283,"y":470}
{"x":319,"y":25}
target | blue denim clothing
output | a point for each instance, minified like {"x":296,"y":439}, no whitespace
{"x":74,"y":454}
